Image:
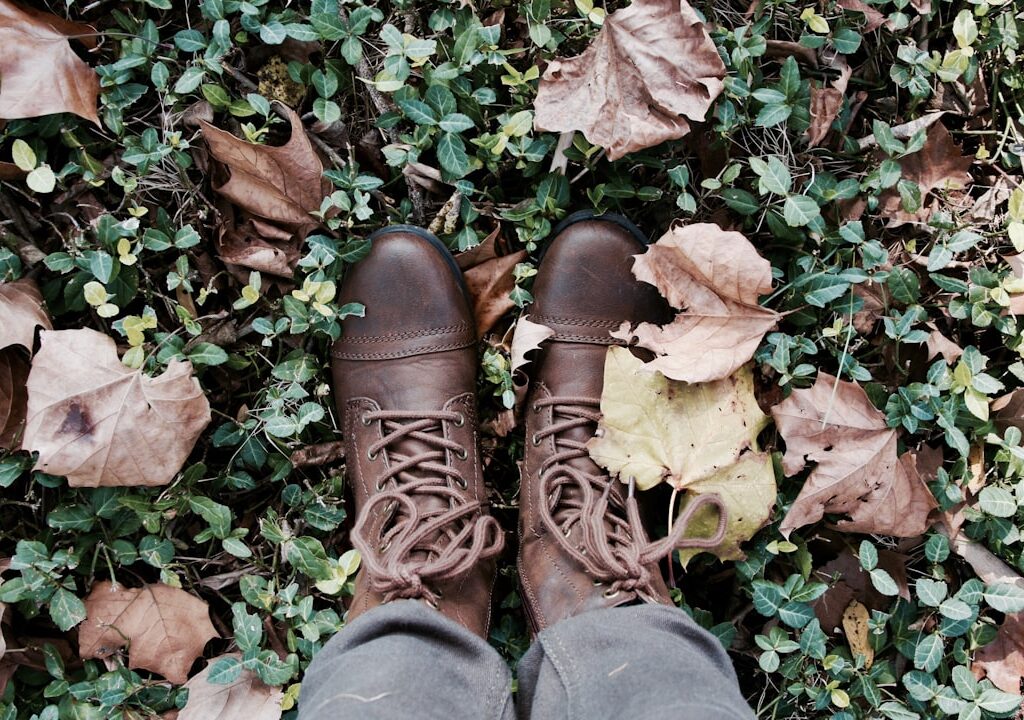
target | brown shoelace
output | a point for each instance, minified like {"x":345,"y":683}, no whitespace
{"x":422,"y":548}
{"x":612,"y":545}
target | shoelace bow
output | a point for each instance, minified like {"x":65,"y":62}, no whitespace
{"x":421,"y":549}
{"x":612,"y":546}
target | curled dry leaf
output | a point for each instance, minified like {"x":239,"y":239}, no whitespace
{"x":280,"y":184}
{"x":697,"y":438}
{"x":164,"y":628}
{"x":244,"y":698}
{"x":858,"y":473}
{"x":41,"y":73}
{"x":21,"y":307}
{"x":1002,"y":660}
{"x":102,"y":424}
{"x":715,"y":277}
{"x":651,"y":69}
{"x":939,"y":344}
{"x":489,"y":279}
{"x":874,"y":18}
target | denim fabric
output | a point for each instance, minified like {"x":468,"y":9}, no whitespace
{"x":405,"y":660}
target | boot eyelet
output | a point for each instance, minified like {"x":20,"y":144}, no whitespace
{"x":460,"y":421}
{"x":365,"y":419}
{"x":536,"y":407}
{"x":463,"y":454}
{"x":384,"y":546}
{"x":378,"y":486}
{"x":371,"y":456}
{"x":431,"y":603}
{"x":535,"y":439}
{"x":462,"y":483}
{"x":608,"y":594}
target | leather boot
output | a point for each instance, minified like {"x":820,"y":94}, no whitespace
{"x":404,"y":384}
{"x":582,"y":542}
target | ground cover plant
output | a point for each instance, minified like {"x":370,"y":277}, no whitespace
{"x":835,"y":191}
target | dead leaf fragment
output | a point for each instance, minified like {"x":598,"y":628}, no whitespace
{"x":851,"y":582}
{"x":826,"y":102}
{"x":939,"y":344}
{"x":41,"y":73}
{"x":858,"y":473}
{"x":875,"y":19}
{"x":245,"y":698}
{"x":697,"y":438}
{"x":281,"y":184}
{"x":527,"y":337}
{"x":651,"y":69}
{"x":855,"y":627}
{"x":102,"y":424}
{"x":164,"y":628}
{"x":1002,"y":660}
{"x":714,"y":277}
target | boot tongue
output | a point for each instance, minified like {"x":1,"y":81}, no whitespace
{"x":575,"y":370}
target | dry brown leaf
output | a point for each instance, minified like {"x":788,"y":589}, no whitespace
{"x":246,"y":698}
{"x":855,"y":627}
{"x":41,"y":73}
{"x":976,"y":467}
{"x":715,"y":277}
{"x":257,"y":245}
{"x":876,"y":299}
{"x":853,"y":583}
{"x":320,"y":454}
{"x":489,"y":280}
{"x":102,"y":424}
{"x":652,"y":68}
{"x":21,"y":307}
{"x":939,"y":344}
{"x":10,"y":171}
{"x":1008,"y":410}
{"x":281,"y":184}
{"x":939,"y":166}
{"x":1002,"y":660}
{"x":826,"y":102}
{"x":164,"y":628}
{"x":13,"y":396}
{"x":874,"y":18}
{"x":858,"y":472}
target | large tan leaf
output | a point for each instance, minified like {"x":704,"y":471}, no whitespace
{"x":41,"y":73}
{"x":282,"y":184}
{"x":165,"y":629}
{"x":858,"y":472}
{"x":100,"y":423}
{"x":246,"y":698}
{"x":21,"y":307}
{"x":698,"y":438}
{"x":652,"y":68}
{"x":1002,"y":660}
{"x":715,"y":277}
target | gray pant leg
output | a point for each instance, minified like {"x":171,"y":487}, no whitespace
{"x":404,"y":660}
{"x":643,"y":661}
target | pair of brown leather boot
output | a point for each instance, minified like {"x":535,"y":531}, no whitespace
{"x":404,"y":383}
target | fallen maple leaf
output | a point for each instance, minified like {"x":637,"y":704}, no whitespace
{"x":281,"y":184}
{"x":651,"y":67}
{"x":164,"y":628}
{"x":21,"y":307}
{"x":698,"y":438}
{"x":489,"y":280}
{"x":102,"y":424}
{"x":715,"y":277}
{"x":858,"y":472}
{"x":41,"y":73}
{"x":1002,"y":660}
{"x":244,"y":698}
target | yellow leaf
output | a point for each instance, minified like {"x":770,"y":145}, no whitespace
{"x":1016,"y":206}
{"x":24,"y":156}
{"x":699,"y":438}
{"x":1016,"y":233}
{"x":250,"y":293}
{"x":107,"y":310}
{"x":855,"y":627}
{"x":95,"y":293}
